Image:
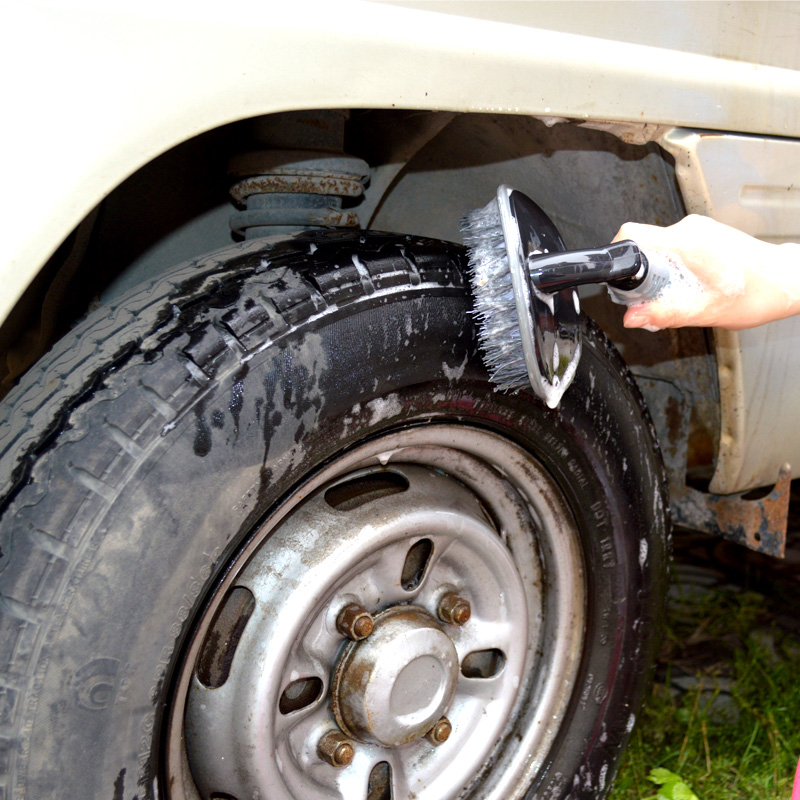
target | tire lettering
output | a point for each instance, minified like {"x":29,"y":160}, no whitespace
{"x":605,"y":625}
{"x":607,"y":553}
{"x":122,"y":692}
{"x":600,"y":693}
{"x":598,"y":512}
{"x":146,"y":726}
{"x":577,"y":473}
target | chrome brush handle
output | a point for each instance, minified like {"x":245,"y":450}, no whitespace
{"x":621,"y":264}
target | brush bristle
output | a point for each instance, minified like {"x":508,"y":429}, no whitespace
{"x":495,"y":306}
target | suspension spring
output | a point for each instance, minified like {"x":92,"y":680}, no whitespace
{"x":285,"y":191}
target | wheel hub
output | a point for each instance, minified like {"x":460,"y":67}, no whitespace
{"x":391,"y":688}
{"x":295,"y":691}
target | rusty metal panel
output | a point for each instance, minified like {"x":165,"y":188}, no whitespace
{"x":759,"y":524}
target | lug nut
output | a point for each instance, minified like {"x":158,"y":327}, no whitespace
{"x":454,"y":609}
{"x":336,"y":749}
{"x":355,"y":622}
{"x":440,"y":732}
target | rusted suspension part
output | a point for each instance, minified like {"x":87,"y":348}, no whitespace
{"x":339,"y":185}
{"x":290,"y":190}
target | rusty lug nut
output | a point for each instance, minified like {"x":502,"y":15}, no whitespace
{"x":440,"y":732}
{"x":454,"y":609}
{"x":336,"y":749}
{"x":355,"y":622}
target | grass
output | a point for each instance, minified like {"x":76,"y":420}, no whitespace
{"x":724,"y":712}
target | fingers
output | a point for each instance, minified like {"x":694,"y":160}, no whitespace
{"x":638,"y":232}
{"x":652,"y":317}
{"x":637,"y":317}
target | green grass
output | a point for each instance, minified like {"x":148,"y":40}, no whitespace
{"x":746,"y":749}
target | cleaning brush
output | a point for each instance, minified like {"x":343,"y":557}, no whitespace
{"x":525,"y":285}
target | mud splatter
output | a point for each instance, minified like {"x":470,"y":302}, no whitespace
{"x":202,"y":436}
{"x":237,"y":397}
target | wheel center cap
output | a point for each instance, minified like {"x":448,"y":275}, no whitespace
{"x":392,"y":688}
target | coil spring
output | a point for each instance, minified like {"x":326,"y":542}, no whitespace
{"x":284,"y":191}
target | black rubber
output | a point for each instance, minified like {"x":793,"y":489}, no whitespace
{"x":140,"y":453}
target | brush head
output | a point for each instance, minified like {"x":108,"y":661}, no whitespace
{"x":495,"y":305}
{"x":529,"y":337}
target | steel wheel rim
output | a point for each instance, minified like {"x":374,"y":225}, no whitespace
{"x":516,"y":512}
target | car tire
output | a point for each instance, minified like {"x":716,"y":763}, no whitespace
{"x":200,"y":478}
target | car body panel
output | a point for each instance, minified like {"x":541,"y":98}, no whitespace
{"x":754,"y":31}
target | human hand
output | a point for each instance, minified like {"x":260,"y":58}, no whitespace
{"x":727,"y":279}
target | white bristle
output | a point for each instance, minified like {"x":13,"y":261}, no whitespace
{"x":495,"y":306}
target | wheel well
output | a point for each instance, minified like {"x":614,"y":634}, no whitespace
{"x":426,"y":170}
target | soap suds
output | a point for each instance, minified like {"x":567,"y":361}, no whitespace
{"x":670,"y":282}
